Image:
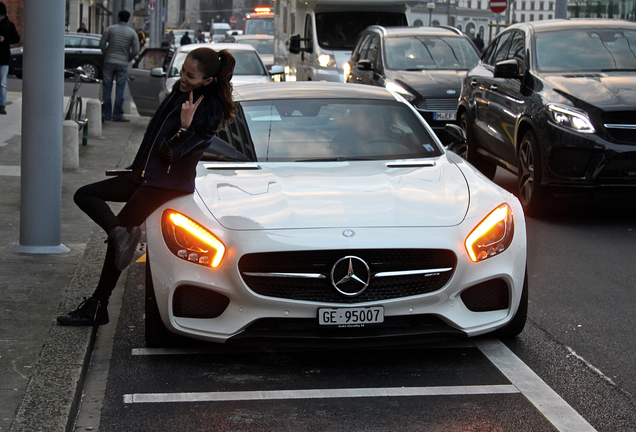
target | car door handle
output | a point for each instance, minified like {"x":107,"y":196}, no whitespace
{"x":494,"y":87}
{"x":131,"y":78}
{"x":473,"y":83}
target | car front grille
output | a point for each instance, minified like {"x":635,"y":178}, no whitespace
{"x":621,"y":126}
{"x":449,"y":104}
{"x":620,"y":167}
{"x":395,"y":273}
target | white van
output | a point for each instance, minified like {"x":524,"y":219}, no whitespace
{"x":313,"y":39}
{"x":218,"y":31}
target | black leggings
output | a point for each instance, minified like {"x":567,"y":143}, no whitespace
{"x":140,"y":201}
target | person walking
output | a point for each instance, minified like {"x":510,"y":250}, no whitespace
{"x":120,"y":45}
{"x":8,"y":36}
{"x":479,"y":42}
{"x":185,"y":39}
{"x":164,"y":168}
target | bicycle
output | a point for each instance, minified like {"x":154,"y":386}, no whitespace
{"x":74,"y":107}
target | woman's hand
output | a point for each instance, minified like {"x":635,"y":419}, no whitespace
{"x":187,"y":111}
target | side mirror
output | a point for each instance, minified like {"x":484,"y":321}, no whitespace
{"x":508,"y":69}
{"x":157,"y":72}
{"x":276,"y":70}
{"x":294,"y":44}
{"x":364,"y":65}
{"x":457,"y":138}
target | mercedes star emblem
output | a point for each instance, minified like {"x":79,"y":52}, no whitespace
{"x":350,"y":276}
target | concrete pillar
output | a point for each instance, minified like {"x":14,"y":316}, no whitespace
{"x":42,"y":113}
{"x":70,"y":145}
{"x":94,"y":116}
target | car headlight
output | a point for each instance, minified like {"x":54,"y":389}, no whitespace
{"x":570,"y":118}
{"x":326,"y":60}
{"x":190,"y":241}
{"x":492,"y":236}
{"x":391,"y":86}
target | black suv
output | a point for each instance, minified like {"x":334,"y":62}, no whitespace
{"x":80,"y":49}
{"x":554,"y":102}
{"x":425,"y":65}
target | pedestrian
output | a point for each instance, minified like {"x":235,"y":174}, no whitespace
{"x":185,"y":39}
{"x":82,"y":28}
{"x":164,"y":168}
{"x":120,"y":45}
{"x":479,"y":42}
{"x":8,"y":36}
{"x":141,"y":35}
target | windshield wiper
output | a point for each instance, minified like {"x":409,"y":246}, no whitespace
{"x":618,"y":70}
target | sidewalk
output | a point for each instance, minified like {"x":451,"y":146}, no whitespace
{"x":42,"y":365}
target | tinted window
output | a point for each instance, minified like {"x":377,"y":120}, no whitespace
{"x":586,"y":50}
{"x":339,"y":30}
{"x":429,"y":52}
{"x":336,"y":129}
{"x":89,"y":43}
{"x":72,"y":41}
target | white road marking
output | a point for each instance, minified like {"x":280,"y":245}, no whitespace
{"x":317,"y":394}
{"x":523,"y":380}
{"x":546,"y":400}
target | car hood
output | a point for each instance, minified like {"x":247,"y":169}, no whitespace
{"x":339,"y":194}
{"x":431,"y":83}
{"x":606,"y":91}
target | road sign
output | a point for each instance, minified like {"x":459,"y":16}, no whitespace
{"x":498,"y":6}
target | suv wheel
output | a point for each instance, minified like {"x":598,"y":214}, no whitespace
{"x":469,"y":151}
{"x":531,"y":192}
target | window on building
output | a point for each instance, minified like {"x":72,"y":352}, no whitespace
{"x":523,"y":5}
{"x":523,"y":18}
{"x":531,"y":17}
{"x":540,"y":16}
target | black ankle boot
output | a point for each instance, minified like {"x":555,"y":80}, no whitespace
{"x":90,"y":312}
{"x":125,"y":244}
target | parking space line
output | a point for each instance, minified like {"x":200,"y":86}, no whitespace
{"x":546,"y":400}
{"x":317,"y":394}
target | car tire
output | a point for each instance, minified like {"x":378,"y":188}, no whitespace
{"x":529,"y":174}
{"x":156,"y":333}
{"x":518,"y":322}
{"x":469,"y":150}
{"x":90,"y":70}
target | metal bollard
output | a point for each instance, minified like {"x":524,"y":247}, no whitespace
{"x":70,"y":145}
{"x":94,"y":115}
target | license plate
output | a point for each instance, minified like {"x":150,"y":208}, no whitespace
{"x":351,"y":316}
{"x":444,"y":116}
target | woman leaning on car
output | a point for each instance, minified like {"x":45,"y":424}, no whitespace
{"x":164,"y":168}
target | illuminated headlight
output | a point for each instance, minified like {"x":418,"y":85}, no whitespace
{"x":326,"y":60}
{"x":571,"y":119}
{"x":347,"y":71}
{"x":492,"y":236}
{"x":190,"y":241}
{"x":391,"y":86}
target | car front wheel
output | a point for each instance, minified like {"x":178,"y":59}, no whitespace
{"x":530,"y":190}
{"x":469,"y":150}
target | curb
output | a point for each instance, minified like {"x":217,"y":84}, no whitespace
{"x":54,"y":392}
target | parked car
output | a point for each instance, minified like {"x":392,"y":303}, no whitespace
{"x":149,"y":88}
{"x":426,"y":65}
{"x":331,"y":213}
{"x":80,"y":50}
{"x":553,"y":102}
{"x":264,"y":46}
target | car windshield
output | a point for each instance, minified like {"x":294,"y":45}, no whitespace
{"x":247,"y":63}
{"x":339,"y":30}
{"x":429,"y":52}
{"x":259,"y":26}
{"x":303,"y":130}
{"x":591,"y":50}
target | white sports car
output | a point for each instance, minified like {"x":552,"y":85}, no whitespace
{"x":331,"y":213}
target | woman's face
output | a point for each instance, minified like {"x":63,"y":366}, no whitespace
{"x":191,"y":76}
